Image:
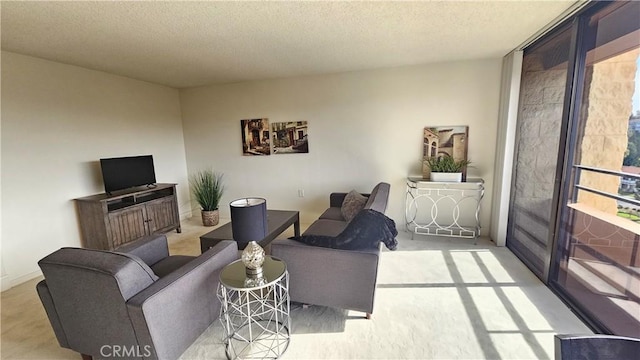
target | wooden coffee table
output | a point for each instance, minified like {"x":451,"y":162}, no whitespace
{"x":277,"y":222}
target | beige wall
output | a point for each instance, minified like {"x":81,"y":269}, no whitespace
{"x":364,"y":127}
{"x":57,"y":122}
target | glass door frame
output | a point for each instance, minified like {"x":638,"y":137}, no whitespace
{"x":566,"y":173}
{"x":568,"y":130}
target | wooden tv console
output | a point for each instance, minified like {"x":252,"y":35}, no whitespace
{"x":108,"y":221}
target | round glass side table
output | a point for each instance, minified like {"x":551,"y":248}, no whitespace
{"x":255,"y":315}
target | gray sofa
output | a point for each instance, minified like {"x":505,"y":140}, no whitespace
{"x":344,"y":279}
{"x":135,"y":302}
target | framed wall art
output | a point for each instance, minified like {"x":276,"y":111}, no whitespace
{"x":445,"y":141}
{"x":290,"y":137}
{"x":255,"y":137}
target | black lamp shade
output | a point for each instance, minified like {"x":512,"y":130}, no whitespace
{"x":248,"y":220}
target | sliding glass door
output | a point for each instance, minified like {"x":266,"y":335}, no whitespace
{"x":575,"y":207}
{"x":544,"y":77}
{"x":596,"y":262}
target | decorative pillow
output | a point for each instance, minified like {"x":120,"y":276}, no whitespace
{"x":352,"y":204}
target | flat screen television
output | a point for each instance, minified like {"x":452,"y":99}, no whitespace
{"x":127,"y":172}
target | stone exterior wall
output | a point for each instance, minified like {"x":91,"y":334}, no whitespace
{"x":609,"y":86}
{"x":539,"y":121}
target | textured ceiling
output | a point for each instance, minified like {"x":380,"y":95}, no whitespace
{"x":185,"y":44}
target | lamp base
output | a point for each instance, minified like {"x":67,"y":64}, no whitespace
{"x":254,"y":273}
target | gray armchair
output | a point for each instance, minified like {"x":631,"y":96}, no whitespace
{"x":596,"y":347}
{"x":135,"y":302}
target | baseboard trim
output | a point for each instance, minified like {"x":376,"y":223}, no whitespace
{"x":186,"y":215}
{"x":5,"y":284}
{"x":9,"y":283}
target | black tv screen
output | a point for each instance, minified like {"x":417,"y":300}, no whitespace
{"x":127,"y":172}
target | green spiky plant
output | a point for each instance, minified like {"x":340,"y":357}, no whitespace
{"x":446,"y":164}
{"x":207,"y":187}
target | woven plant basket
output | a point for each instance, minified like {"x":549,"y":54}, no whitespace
{"x":210,"y":218}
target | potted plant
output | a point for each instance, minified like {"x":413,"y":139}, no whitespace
{"x":446,"y":168}
{"x":207,"y":188}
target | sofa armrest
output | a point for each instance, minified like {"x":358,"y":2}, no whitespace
{"x":330,"y":277}
{"x":52,"y":313}
{"x":172,"y":312}
{"x":150,"y":249}
{"x":379,"y":198}
{"x":337,"y":198}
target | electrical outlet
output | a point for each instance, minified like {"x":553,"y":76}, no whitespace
{"x":300,"y":192}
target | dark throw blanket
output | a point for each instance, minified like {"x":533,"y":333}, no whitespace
{"x":364,"y":231}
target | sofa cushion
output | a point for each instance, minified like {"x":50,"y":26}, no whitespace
{"x":366,"y":231}
{"x":326,"y":227}
{"x":332,"y":213}
{"x":352,"y":204}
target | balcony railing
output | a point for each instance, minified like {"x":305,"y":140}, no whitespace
{"x":602,"y":255}
{"x":580,"y":168}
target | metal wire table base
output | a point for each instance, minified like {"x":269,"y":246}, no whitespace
{"x":256,"y":320}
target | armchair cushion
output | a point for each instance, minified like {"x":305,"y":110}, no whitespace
{"x":170,"y":264}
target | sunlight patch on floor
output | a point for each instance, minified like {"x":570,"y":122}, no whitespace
{"x":493,"y":312}
{"x":498,"y":272}
{"x":529,"y":313}
{"x":468,"y":268}
{"x":517,"y":346}
{"x":428,"y":266}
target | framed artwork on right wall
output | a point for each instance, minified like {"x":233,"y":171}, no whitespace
{"x":445,"y":141}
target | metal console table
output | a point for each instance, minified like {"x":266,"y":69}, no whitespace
{"x":255,"y":317}
{"x":444,"y":208}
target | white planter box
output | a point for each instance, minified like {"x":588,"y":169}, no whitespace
{"x":446,"y":177}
